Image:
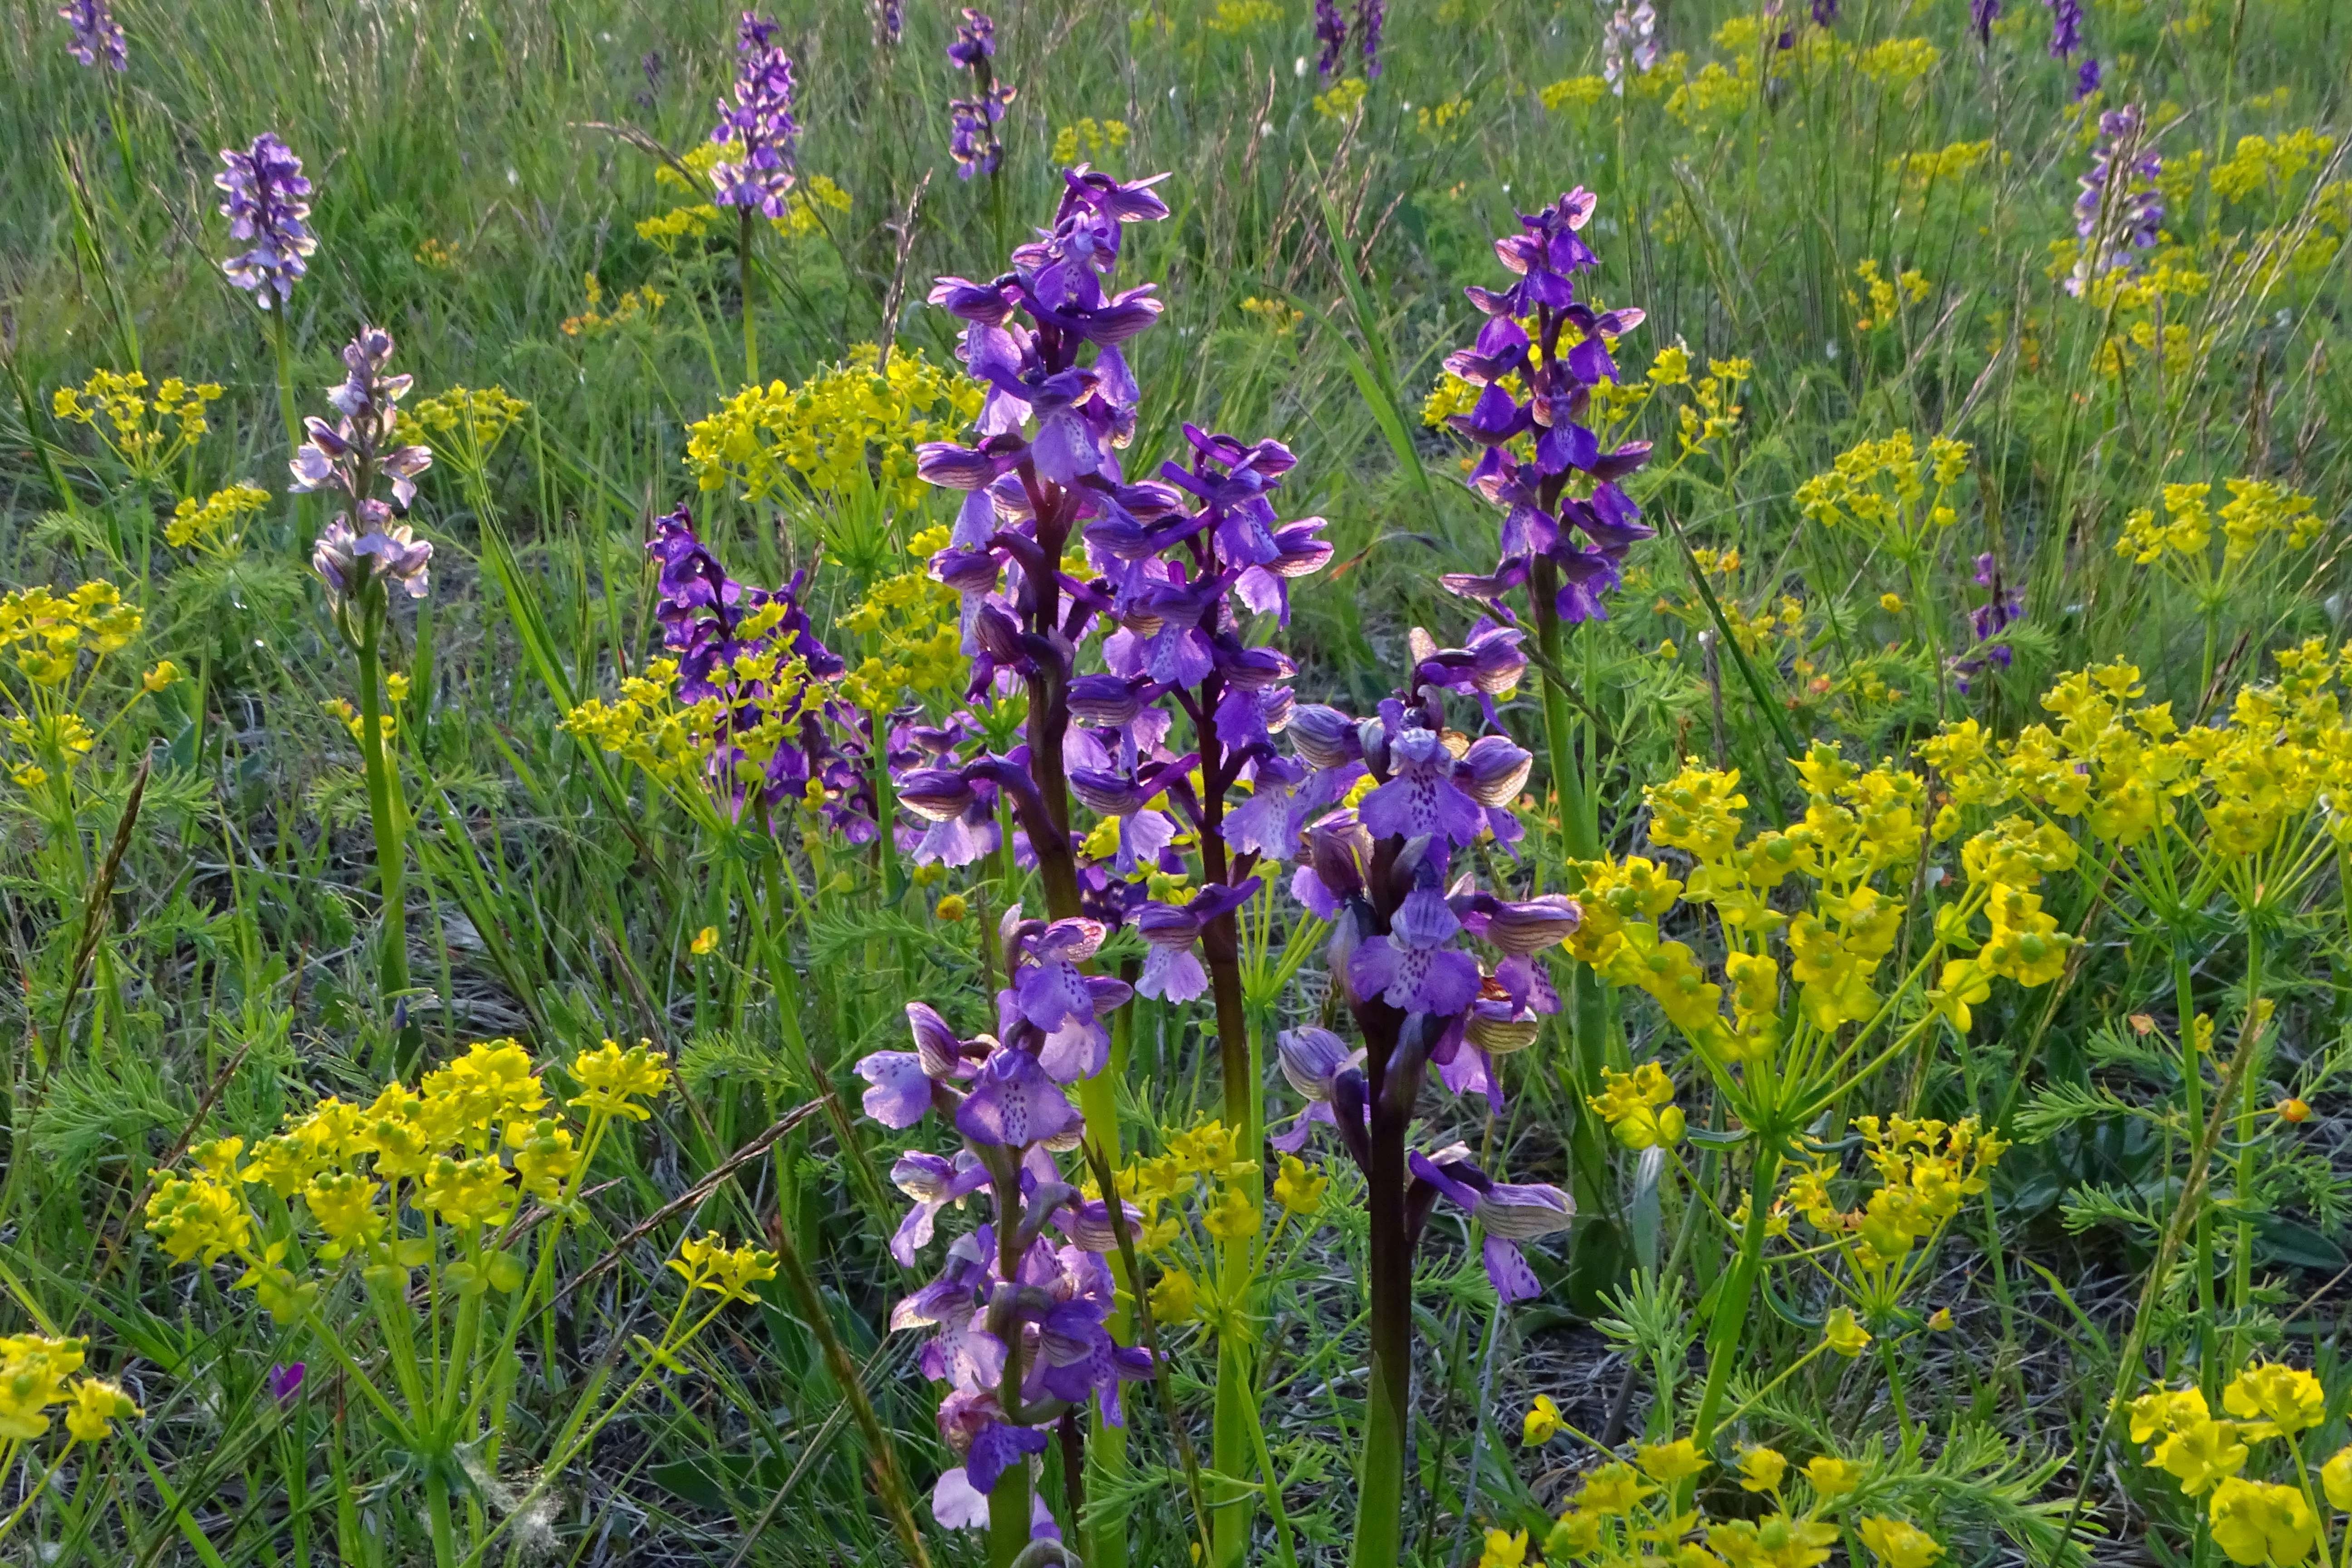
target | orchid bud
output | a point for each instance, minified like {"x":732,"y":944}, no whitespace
{"x":1324,"y":736}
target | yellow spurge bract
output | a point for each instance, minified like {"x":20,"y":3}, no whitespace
{"x":708,"y":1264}
{"x":1897,"y":1543}
{"x":213,"y":524}
{"x":844,"y":427}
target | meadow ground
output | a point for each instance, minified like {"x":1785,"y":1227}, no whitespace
{"x":1708,"y":922}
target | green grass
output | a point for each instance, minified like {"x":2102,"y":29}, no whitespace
{"x":471,"y":173}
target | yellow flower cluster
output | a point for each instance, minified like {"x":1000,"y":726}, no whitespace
{"x":843,"y":429}
{"x":595,"y":321}
{"x":646,"y":724}
{"x":1639,"y":1107}
{"x":802,"y":216}
{"x":1344,"y":100}
{"x":1897,"y":62}
{"x":2253,"y":1522}
{"x":1573,"y":92}
{"x":1712,"y":415}
{"x":147,"y":434}
{"x":1890,"y":488}
{"x":2266,"y":164}
{"x":1859,"y":826}
{"x":1886,"y":297}
{"x":48,"y":633}
{"x":706,"y":1263}
{"x":912,"y":626}
{"x":2256,"y":511}
{"x":1201,"y":1179}
{"x":462,"y":1149}
{"x":1624,"y":1514}
{"x":1948,"y":166}
{"x":1442,"y":122}
{"x":38,"y":1372}
{"x":468,"y":422}
{"x":214,"y":524}
{"x":1234,"y":17}
{"x":2281,"y":764}
{"x":1090,"y":139}
{"x":1925,"y":1169}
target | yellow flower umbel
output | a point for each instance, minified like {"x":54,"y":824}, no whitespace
{"x":146,"y":434}
{"x":465,"y":424}
{"x":215,"y":525}
{"x":709,"y":1264}
{"x":845,"y":431}
{"x":1889,"y":488}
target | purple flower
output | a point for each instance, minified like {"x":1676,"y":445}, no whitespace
{"x":816,"y":746}
{"x":351,"y":456}
{"x":1410,"y":966}
{"x":1510,"y":1213}
{"x":756,"y":120}
{"x":2065,"y":27}
{"x":894,"y":19}
{"x":2086,"y":79}
{"x":285,"y":1382}
{"x":1052,"y":997}
{"x":2120,"y":210}
{"x":97,"y":36}
{"x":266,"y":203}
{"x":1172,"y":970}
{"x":1421,"y":798}
{"x":1982,"y":14}
{"x":1538,"y":356}
{"x":1988,"y":622}
{"x":1332,"y":32}
{"x":971,"y":135}
{"x":1372,"y":16}
{"x":1629,"y":35}
{"x":1825,"y":12}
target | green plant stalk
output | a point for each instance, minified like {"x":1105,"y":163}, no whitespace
{"x":1097,"y":1102}
{"x":281,"y":347}
{"x":1008,"y":1503}
{"x":385,"y":809}
{"x":2242,"y":1262}
{"x":1588,"y":1139}
{"x":1728,"y":1326}
{"x":436,"y":1505}
{"x":1380,"y":1482}
{"x":2192,"y":1086}
{"x":745,"y":277}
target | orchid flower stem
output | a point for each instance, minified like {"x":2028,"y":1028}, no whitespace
{"x":384,"y":806}
{"x":746,"y":279}
{"x":1729,"y":1326}
{"x":282,"y":348}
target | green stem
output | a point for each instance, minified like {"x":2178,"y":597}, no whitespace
{"x":384,"y":808}
{"x":2250,"y":1084}
{"x":2192,"y":1087}
{"x":745,"y":281}
{"x":444,"y":1534}
{"x":1728,"y":1326}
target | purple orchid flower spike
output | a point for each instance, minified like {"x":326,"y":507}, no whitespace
{"x":973,"y":121}
{"x":754,"y":654}
{"x":756,"y":124}
{"x":2120,"y":211}
{"x":1537,"y":358}
{"x":363,"y":554}
{"x":268,"y":203}
{"x":97,"y":36}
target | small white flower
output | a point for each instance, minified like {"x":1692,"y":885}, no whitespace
{"x":1298,"y":66}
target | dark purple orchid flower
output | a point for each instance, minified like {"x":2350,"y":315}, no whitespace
{"x":97,"y":36}
{"x":2065,"y":27}
{"x":755,"y":121}
{"x":1538,"y":357}
{"x":285,"y":1382}
{"x":267,"y":201}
